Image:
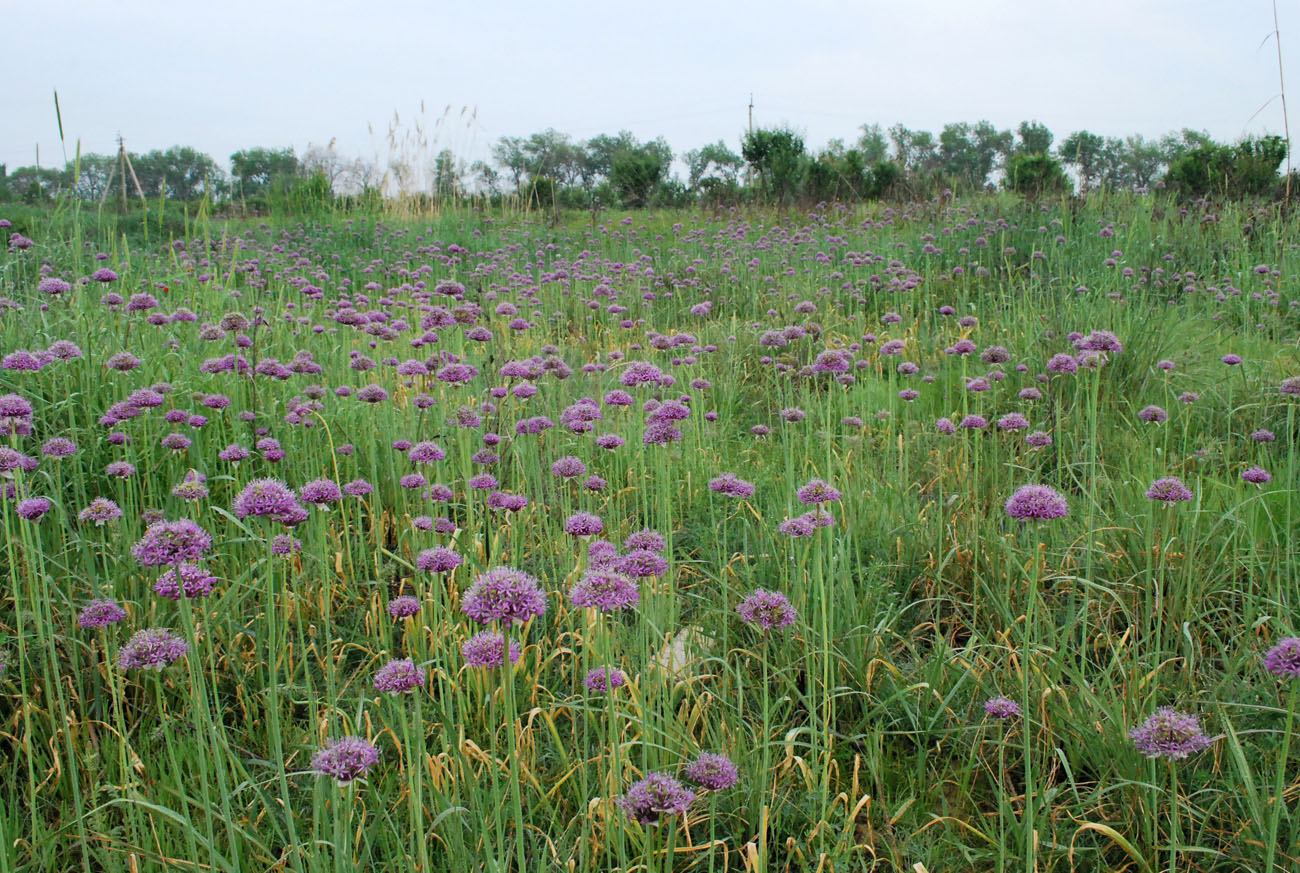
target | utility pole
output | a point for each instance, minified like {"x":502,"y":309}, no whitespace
{"x":121,"y":167}
{"x":751,"y":112}
{"x":749,"y":171}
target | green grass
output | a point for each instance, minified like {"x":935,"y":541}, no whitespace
{"x":859,"y":732}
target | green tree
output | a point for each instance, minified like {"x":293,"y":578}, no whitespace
{"x":1034,"y":138}
{"x":1083,"y":151}
{"x":713,"y":161}
{"x":776,"y":154}
{"x":255,"y":170}
{"x":1035,"y":174}
{"x":873,"y":144}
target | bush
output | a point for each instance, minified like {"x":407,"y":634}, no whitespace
{"x":1248,"y":169}
{"x":1035,"y":174}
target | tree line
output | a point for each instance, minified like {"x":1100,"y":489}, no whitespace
{"x":772,"y":165}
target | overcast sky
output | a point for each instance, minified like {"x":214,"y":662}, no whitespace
{"x":224,"y":76}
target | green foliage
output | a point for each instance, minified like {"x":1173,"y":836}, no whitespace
{"x":1035,"y":174}
{"x":776,"y":155}
{"x":255,"y":171}
{"x":1033,"y":138}
{"x":1247,"y":169}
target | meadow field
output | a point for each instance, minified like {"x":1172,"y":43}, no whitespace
{"x":951,"y":536}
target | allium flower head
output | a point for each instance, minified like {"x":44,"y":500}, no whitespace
{"x":583,"y":524}
{"x":1256,"y":475}
{"x":403,"y":607}
{"x":151,"y":649}
{"x":1284,"y":658}
{"x":817,"y":492}
{"x":642,"y":564}
{"x":168,"y":543}
{"x":33,"y":508}
{"x":713,"y":771}
{"x":269,"y":498}
{"x":730,"y":486}
{"x":1002,"y":708}
{"x":646,"y":538}
{"x":604,"y":590}
{"x":484,"y":650}
{"x":321,"y":492}
{"x":345,"y":759}
{"x":439,"y":559}
{"x":1169,"y":490}
{"x":767,"y":610}
{"x":399,"y":676}
{"x":654,"y":797}
{"x":1168,"y":733}
{"x":603,"y":679}
{"x":1037,"y":502}
{"x":195,"y":580}
{"x":505,"y":595}
{"x":100,"y":613}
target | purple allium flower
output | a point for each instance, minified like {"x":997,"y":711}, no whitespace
{"x":285,"y":545}
{"x":1038,"y":439}
{"x":1037,"y":502}
{"x":640,"y":373}
{"x":358,"y":488}
{"x":196,"y":580}
{"x":104,"y":274}
{"x":645,"y":539}
{"x":1231,"y":360}
{"x":439,"y":559}
{"x":1062,"y":364}
{"x":973,"y":422}
{"x":1002,"y":708}
{"x":767,"y":610}
{"x":321,"y":492}
{"x":372,"y":393}
{"x":1166,"y":364}
{"x":100,"y":613}
{"x":403,"y":607}
{"x":729,"y":485}
{"x":192,"y":487}
{"x":654,"y":797}
{"x":1168,"y":733}
{"x":177,"y":442}
{"x":100,"y":510}
{"x":484,"y":650}
{"x":583,"y":524}
{"x":21,"y":360}
{"x":151,"y":649}
{"x":506,"y":595}
{"x":817,"y":492}
{"x":1263,"y":436}
{"x":945,"y":425}
{"x":1290,"y":386}
{"x":53,"y":286}
{"x":269,"y":498}
{"x":168,"y":543}
{"x":233,"y":453}
{"x":569,"y":467}
{"x":33,"y":508}
{"x":602,"y":679}
{"x":1153,"y":414}
{"x":605,"y":590}
{"x":1169,"y":490}
{"x":1256,"y":475}
{"x":799,"y":526}
{"x":345,"y":759}
{"x":713,"y":771}
{"x":1099,"y":341}
{"x":642,"y":563}
{"x":793,"y":414}
{"x":602,"y":553}
{"x":1284,"y":658}
{"x":480,"y":482}
{"x":610,"y":441}
{"x":1012,"y":422}
{"x":399,"y":676}
{"x":426,"y":452}
{"x":58,"y":447}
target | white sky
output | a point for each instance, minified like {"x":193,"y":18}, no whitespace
{"x":222,"y":76}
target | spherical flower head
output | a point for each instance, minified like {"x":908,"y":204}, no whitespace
{"x":799,"y":526}
{"x":1012,"y":422}
{"x":33,"y":508}
{"x":603,"y":679}
{"x":58,"y":447}
{"x":345,"y":759}
{"x":321,"y":492}
{"x":194,"y":579}
{"x":569,"y":467}
{"x":1153,"y":414}
{"x":1284,"y":658}
{"x":506,"y":595}
{"x":426,"y":452}
{"x":1002,"y":708}
{"x":1168,"y":733}
{"x":484,"y":650}
{"x":269,"y":498}
{"x":583,"y":524}
{"x":1062,"y":363}
{"x":1099,"y":341}
{"x":1231,"y":360}
{"x":358,"y":488}
{"x":168,"y":543}
{"x":1256,"y":475}
{"x":605,"y":590}
{"x":654,"y":797}
{"x":403,"y":607}
{"x":285,"y":545}
{"x":1169,"y":490}
{"x":1038,"y":439}
{"x":1290,"y":386}
{"x":151,"y":649}
{"x":439,"y":559}
{"x":817,"y":492}
{"x":646,"y":538}
{"x":945,"y":425}
{"x":1037,"y":503}
{"x":642,"y":564}
{"x":730,"y":486}
{"x":399,"y":676}
{"x":713,"y":771}
{"x":100,"y":613}
{"x":767,"y":610}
